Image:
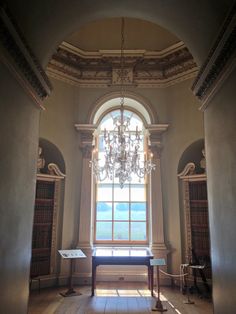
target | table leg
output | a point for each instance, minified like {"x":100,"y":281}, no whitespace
{"x":151,"y":279}
{"x":93,"y":278}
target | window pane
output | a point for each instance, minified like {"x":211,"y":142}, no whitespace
{"x":104,"y":211}
{"x":104,"y":192}
{"x":104,"y":230}
{"x":138,"y":231}
{"x":101,"y":143}
{"x":121,"y":231}
{"x":121,"y":211}
{"x":136,"y":122}
{"x":138,"y":193}
{"x":121,"y":194}
{"x":107,"y":121}
{"x":138,"y":211}
{"x":101,"y":159}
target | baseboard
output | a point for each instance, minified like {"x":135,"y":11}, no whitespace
{"x":85,"y":279}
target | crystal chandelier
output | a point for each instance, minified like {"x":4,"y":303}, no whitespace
{"x":122,"y":157}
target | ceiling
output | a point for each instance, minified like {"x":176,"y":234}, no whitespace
{"x":154,"y":57}
{"x":106,"y":35}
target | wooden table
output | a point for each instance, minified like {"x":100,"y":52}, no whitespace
{"x":122,"y":256}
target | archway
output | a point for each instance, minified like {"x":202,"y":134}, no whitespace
{"x":189,"y":21}
{"x":36,"y":27}
{"x":193,"y":153}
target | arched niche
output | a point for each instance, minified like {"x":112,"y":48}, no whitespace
{"x":193,"y":153}
{"x":51,"y":154}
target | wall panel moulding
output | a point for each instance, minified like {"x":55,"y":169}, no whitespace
{"x":219,"y":63}
{"x":142,"y":68}
{"x":16,"y":54}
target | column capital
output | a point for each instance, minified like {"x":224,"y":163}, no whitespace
{"x":155,"y":133}
{"x":86,"y":138}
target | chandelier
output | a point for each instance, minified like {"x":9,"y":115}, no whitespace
{"x":122,"y":157}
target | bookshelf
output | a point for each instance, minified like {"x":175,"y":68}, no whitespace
{"x":44,"y":238}
{"x":197,"y":237}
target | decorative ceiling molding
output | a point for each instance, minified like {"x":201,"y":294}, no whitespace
{"x":142,"y":68}
{"x":219,"y":63}
{"x":18,"y":57}
{"x":116,"y":53}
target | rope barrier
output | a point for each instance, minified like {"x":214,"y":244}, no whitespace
{"x":171,"y":275}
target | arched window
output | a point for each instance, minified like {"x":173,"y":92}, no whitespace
{"x":121,"y":214}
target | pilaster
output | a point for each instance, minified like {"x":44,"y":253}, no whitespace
{"x":158,"y":245}
{"x":84,"y":242}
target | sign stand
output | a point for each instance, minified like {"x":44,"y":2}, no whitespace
{"x":158,"y":262}
{"x":72,"y":255}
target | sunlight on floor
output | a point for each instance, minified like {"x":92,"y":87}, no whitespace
{"x":132,"y":293}
{"x":173,"y":307}
{"x":122,"y":293}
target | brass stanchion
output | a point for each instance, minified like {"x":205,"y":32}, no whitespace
{"x":158,"y":306}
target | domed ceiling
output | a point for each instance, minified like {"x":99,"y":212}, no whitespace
{"x":106,"y":35}
{"x":90,"y":57}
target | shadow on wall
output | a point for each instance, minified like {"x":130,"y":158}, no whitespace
{"x":51,"y":154}
{"x":193,"y":153}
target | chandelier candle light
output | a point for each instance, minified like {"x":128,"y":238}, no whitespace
{"x":122,"y":157}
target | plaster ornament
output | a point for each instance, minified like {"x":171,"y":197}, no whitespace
{"x":55,"y":170}
{"x":203,"y":161}
{"x":41,"y":160}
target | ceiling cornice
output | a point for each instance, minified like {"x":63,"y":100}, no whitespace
{"x":142,"y":68}
{"x":116,"y":53}
{"x":16,"y":54}
{"x":220,"y":62}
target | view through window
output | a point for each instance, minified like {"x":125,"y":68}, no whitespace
{"x":121,"y":214}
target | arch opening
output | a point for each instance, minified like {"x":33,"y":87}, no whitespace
{"x":51,"y":154}
{"x":114,"y":103}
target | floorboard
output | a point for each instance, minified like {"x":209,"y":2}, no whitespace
{"x":114,"y":298}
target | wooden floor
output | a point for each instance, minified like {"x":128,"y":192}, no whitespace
{"x":118,"y":297}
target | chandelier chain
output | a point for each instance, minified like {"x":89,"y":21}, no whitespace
{"x":122,"y":61}
{"x":123,"y":158}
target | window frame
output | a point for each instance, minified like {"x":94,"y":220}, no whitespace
{"x":112,"y":202}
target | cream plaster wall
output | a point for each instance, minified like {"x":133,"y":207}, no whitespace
{"x":174,"y":105}
{"x":19,"y":126}
{"x":221,"y":172}
{"x":57,"y":126}
{"x":186,"y":126}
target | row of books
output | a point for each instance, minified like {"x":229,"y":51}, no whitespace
{"x":199,"y":204}
{"x":40,"y":265}
{"x":199,"y":218}
{"x":44,"y":203}
{"x":43,"y":216}
{"x":42,"y":236}
{"x":45,"y":190}
{"x":198,"y":190}
{"x":200,"y":241}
